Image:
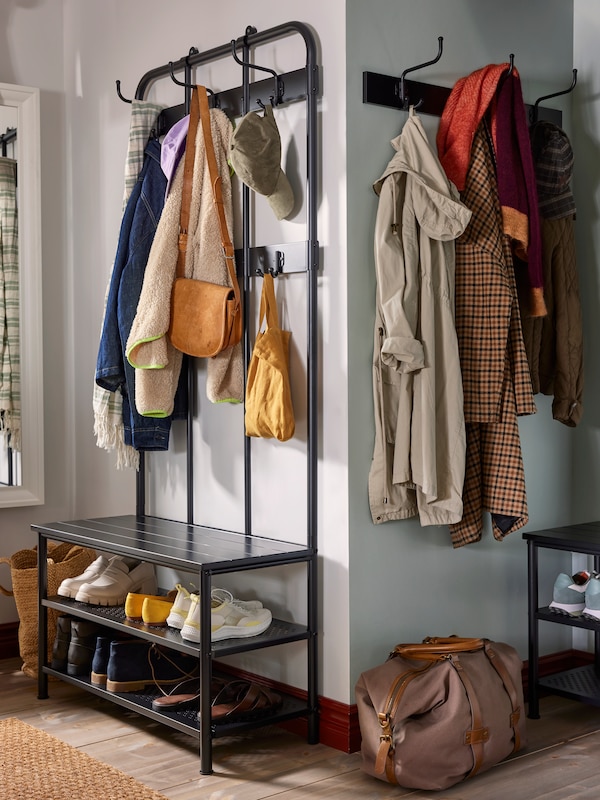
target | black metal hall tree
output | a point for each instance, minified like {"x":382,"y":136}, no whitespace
{"x":199,"y":550}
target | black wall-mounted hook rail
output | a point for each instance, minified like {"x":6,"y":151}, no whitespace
{"x":273,"y":258}
{"x":383,"y":90}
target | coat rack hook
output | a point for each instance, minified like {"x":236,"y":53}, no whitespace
{"x":279,"y":89}
{"x":534,"y":110}
{"x":402,"y":93}
{"x":124,"y":99}
{"x":176,"y":80}
{"x":511,"y":60}
{"x":190,"y":85}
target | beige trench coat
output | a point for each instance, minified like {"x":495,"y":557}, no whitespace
{"x":419,"y":453}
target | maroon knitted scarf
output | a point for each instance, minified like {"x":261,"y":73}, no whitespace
{"x":517,"y":188}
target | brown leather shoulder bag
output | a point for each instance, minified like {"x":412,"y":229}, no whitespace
{"x":206,"y":318}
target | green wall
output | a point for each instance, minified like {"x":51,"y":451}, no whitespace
{"x":407,"y":582}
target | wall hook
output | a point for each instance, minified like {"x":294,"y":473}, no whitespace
{"x":279,"y":88}
{"x":511,"y":64}
{"x":403,"y":96}
{"x":534,"y":110}
{"x":191,"y":85}
{"x":124,"y":99}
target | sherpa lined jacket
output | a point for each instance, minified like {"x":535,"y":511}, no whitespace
{"x":419,"y":453}
{"x":149,"y":349}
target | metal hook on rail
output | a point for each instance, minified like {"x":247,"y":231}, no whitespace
{"x":279,"y":88}
{"x":401,"y":91}
{"x":534,"y":110}
{"x":124,"y":99}
{"x":192,"y":85}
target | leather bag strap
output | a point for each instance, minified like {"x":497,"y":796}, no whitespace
{"x":498,"y":664}
{"x":384,"y":760}
{"x":478,"y":733}
{"x":215,"y":179}
{"x":188,"y":179}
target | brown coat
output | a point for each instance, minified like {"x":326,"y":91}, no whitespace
{"x":496,"y":380}
{"x":554,"y":343}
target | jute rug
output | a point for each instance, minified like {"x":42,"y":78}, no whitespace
{"x":35,"y":765}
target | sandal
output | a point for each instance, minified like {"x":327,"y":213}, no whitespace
{"x":179,"y":698}
{"x":243,"y":700}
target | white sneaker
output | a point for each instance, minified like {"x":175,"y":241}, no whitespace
{"x":180,"y":608}
{"x":70,"y":586}
{"x":190,"y":630}
{"x":230,"y":617}
{"x":114,"y":584}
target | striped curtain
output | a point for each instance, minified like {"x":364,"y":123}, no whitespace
{"x":10,"y":364}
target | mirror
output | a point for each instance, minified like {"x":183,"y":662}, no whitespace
{"x":23,"y":483}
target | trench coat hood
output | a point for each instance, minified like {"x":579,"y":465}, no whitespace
{"x":440,"y":212}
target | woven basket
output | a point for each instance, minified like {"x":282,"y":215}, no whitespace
{"x":64,"y":561}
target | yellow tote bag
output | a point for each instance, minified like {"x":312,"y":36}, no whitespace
{"x":269,"y":411}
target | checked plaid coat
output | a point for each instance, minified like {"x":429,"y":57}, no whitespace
{"x":495,"y":371}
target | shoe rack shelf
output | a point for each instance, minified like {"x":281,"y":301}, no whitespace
{"x":580,"y":683}
{"x":203,"y":553}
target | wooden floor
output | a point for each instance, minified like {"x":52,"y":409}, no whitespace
{"x":561,"y":761}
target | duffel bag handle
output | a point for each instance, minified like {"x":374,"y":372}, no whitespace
{"x":434,"y":648}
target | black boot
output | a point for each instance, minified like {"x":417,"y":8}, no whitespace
{"x":61,"y":643}
{"x":82,"y":646}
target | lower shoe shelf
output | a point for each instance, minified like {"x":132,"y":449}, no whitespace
{"x":580,"y":683}
{"x":186,"y":720}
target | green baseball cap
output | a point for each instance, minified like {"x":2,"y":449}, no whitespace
{"x":256,"y":159}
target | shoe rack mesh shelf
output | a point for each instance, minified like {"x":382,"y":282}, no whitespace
{"x":201,"y":551}
{"x":581,"y":683}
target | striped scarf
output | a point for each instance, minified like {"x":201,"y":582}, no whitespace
{"x":10,"y":363}
{"x":108,"y":406}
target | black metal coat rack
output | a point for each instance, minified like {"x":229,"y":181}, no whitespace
{"x":301,"y":84}
{"x":279,"y":259}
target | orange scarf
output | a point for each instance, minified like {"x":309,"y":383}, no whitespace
{"x":468,"y":101}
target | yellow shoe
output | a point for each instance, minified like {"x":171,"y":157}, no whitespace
{"x":155,"y":610}
{"x":134,"y":604}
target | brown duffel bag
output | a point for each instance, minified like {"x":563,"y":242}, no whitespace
{"x":438,"y":712}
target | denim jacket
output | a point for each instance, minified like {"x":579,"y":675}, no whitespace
{"x":113,"y":371}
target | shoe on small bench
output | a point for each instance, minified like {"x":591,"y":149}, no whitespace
{"x":592,"y":599}
{"x":70,"y":586}
{"x":569,"y":594}
{"x":114,"y":584}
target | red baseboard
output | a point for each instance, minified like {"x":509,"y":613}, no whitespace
{"x":338,"y":722}
{"x":9,"y":640}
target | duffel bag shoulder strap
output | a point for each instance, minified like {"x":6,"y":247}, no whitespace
{"x":384,"y":761}
{"x":498,"y":664}
{"x":478,"y":733}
